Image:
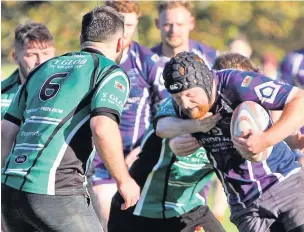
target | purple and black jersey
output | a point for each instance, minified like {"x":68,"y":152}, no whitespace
{"x":245,"y":181}
{"x":144,"y":70}
{"x":292,"y":70}
{"x":208,"y":54}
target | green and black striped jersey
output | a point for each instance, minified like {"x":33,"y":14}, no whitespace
{"x":170,"y":184}
{"x":53,"y":109}
{"x":9,"y":88}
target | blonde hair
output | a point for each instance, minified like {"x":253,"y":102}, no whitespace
{"x":174,"y":4}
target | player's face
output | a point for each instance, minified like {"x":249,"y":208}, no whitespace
{"x":32,"y":55}
{"x":193,"y":102}
{"x":175,"y":25}
{"x":131,"y":22}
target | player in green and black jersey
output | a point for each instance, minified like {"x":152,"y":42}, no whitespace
{"x":170,"y":186}
{"x":33,"y":45}
{"x":63,"y":104}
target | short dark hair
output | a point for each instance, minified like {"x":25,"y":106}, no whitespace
{"x":101,"y":24}
{"x":32,"y":33}
{"x":234,"y":61}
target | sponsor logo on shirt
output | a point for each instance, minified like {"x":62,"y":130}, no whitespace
{"x":155,"y":58}
{"x":20,"y":159}
{"x":120,"y":86}
{"x":246,"y":82}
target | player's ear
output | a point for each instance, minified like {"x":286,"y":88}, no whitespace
{"x":192,"y":23}
{"x":156,"y":22}
{"x":15,"y":57}
{"x":119,"y":46}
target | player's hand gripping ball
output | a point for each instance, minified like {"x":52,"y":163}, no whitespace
{"x":250,"y":116}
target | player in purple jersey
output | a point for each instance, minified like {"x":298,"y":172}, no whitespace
{"x":292,"y":72}
{"x":263,"y":196}
{"x":144,"y":70}
{"x":292,"y":68}
{"x":175,"y":23}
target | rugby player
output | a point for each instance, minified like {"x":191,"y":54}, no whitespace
{"x":63,"y":104}
{"x":292,"y":72}
{"x":144,"y":69}
{"x":175,"y":22}
{"x":170,"y":187}
{"x":263,"y":195}
{"x":33,"y":45}
{"x":226,"y":61}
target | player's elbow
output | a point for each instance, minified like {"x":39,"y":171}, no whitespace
{"x":159,"y":132}
{"x":161,"y":129}
{"x":101,"y":126}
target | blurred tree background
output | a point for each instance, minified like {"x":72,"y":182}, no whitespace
{"x":273,"y":26}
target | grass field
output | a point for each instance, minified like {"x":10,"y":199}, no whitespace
{"x":229,"y":227}
{"x":7,"y":69}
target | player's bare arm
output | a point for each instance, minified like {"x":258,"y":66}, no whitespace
{"x":9,"y":132}
{"x":107,"y":139}
{"x":184,"y":145}
{"x":294,"y":141}
{"x":170,"y":127}
{"x":291,"y":120}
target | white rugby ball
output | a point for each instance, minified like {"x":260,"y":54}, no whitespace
{"x":250,"y":116}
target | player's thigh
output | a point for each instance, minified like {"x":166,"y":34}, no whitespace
{"x":298,"y":229}
{"x":104,"y":194}
{"x":11,"y":219}
{"x":62,"y":213}
{"x":200,"y":217}
{"x":120,"y":220}
{"x":289,"y":197}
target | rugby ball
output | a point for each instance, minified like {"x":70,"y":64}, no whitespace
{"x":250,"y":116}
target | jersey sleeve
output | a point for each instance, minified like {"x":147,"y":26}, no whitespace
{"x":16,"y":109}
{"x":155,"y":79}
{"x":286,"y":70}
{"x":251,"y":86}
{"x":111,"y":95}
{"x":166,"y":109}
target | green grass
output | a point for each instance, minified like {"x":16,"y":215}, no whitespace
{"x":7,"y":69}
{"x":227,"y":224}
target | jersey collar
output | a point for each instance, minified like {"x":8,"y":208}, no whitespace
{"x":92,"y":50}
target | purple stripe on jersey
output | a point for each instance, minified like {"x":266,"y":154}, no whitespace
{"x":144,"y":70}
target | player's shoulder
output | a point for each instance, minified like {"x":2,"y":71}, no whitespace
{"x":235,"y":77}
{"x":289,"y":57}
{"x":201,"y":47}
{"x":166,"y":104}
{"x":157,"y":49}
{"x":298,"y":52}
{"x":10,"y":81}
{"x":146,"y":54}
